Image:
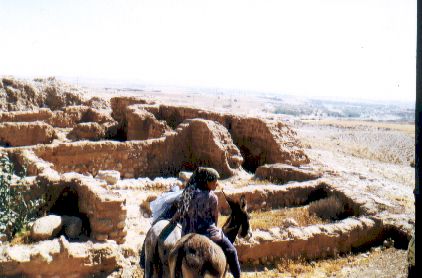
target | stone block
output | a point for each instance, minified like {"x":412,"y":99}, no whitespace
{"x":283,"y":173}
{"x":46,"y":227}
{"x":110,"y":176}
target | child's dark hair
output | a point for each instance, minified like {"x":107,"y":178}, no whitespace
{"x":201,"y":176}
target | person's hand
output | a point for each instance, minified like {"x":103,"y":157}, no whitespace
{"x":175,"y":218}
{"x":215,"y":236}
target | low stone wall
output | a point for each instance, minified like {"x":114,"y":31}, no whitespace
{"x":119,"y":105}
{"x":65,"y":118}
{"x":129,"y":158}
{"x":195,"y":143}
{"x":105,"y":210}
{"x":87,"y":131}
{"x":32,"y":163}
{"x":210,"y":144}
{"x":72,"y":115}
{"x":59,"y":258}
{"x":312,"y":242}
{"x":260,"y":141}
{"x":268,"y":197}
{"x":283,"y":173}
{"x":24,"y":134}
{"x":266,"y":142}
{"x":43,"y":114}
{"x":19,"y":95}
{"x":175,"y":115}
{"x":142,"y":125}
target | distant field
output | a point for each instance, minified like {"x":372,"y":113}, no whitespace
{"x":408,"y":128}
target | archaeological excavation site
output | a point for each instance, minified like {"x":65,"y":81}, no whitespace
{"x":93,"y":165}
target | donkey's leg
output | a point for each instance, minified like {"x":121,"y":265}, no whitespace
{"x":142,"y":256}
{"x":149,"y":263}
{"x":149,"y":269}
{"x":172,"y":258}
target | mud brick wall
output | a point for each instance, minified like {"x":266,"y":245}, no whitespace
{"x":312,"y":242}
{"x":211,"y":144}
{"x":24,"y":134}
{"x":175,"y":115}
{"x":26,"y":158}
{"x":268,"y":197}
{"x":260,"y":141}
{"x":204,"y":143}
{"x":283,"y":173}
{"x":119,"y":106}
{"x":87,"y":131}
{"x":68,"y":117}
{"x":164,"y":156}
{"x":60,"y":258}
{"x":72,"y":115}
{"x":131,"y":159}
{"x":42,"y":114}
{"x":106,"y":210}
{"x":142,"y":125}
{"x":265,"y":142}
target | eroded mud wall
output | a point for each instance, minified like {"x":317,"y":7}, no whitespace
{"x":196,"y":143}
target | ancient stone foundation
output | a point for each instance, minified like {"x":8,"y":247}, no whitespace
{"x":356,"y":229}
{"x":282,"y":173}
{"x":24,"y":134}
{"x":317,"y":241}
{"x":260,"y":141}
{"x":59,"y":257}
{"x":195,"y":143}
{"x":135,"y":149}
{"x":105,"y":210}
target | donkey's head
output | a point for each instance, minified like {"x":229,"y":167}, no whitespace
{"x":238,"y":221}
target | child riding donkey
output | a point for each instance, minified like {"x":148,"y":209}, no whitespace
{"x":196,"y":208}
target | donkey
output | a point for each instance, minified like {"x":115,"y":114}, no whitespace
{"x":167,"y":254}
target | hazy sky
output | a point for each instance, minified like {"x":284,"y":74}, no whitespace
{"x":356,"y":48}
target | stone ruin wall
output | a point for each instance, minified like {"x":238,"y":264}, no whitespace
{"x":150,"y":158}
{"x":268,"y":197}
{"x":23,"y":128}
{"x":209,"y":142}
{"x":217,"y":140}
{"x":260,"y":141}
{"x":60,"y":258}
{"x":105,"y":210}
{"x":359,"y":230}
{"x":68,"y":117}
{"x":162,"y":141}
{"x":129,"y":158}
{"x":42,"y":114}
{"x":283,"y":173}
{"x":119,"y":107}
{"x":19,"y":95}
{"x":26,"y":133}
{"x":142,"y":125}
{"x":336,"y":238}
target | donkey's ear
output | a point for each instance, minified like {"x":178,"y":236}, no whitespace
{"x":242,"y":202}
{"x":229,"y":200}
